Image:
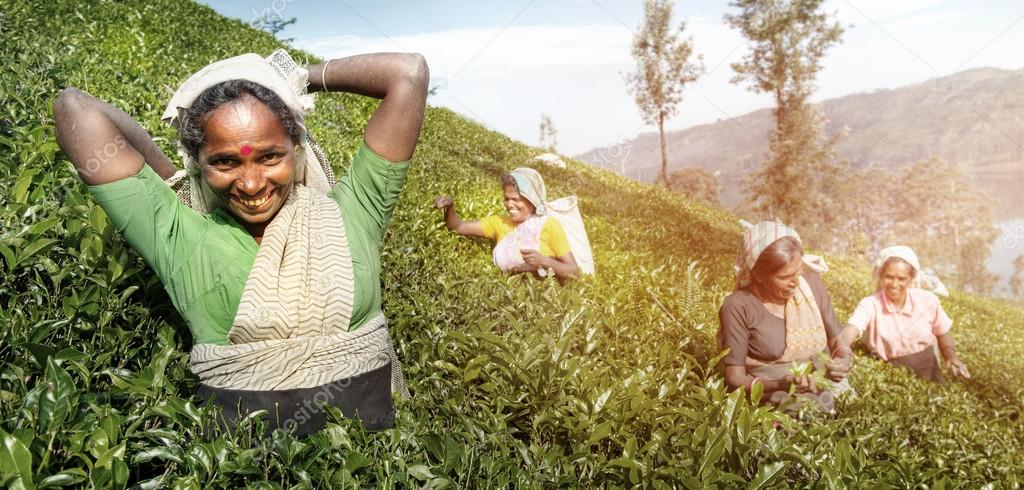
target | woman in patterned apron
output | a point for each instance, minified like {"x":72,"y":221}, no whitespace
{"x":779,"y":321}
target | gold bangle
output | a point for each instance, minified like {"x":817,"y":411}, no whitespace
{"x":323,"y":75}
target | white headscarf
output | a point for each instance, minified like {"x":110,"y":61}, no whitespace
{"x":756,"y":238}
{"x":277,"y":72}
{"x":531,"y":187}
{"x":923,"y":278}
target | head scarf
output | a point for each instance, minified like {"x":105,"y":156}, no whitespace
{"x":531,"y":187}
{"x":759,"y":237}
{"x":277,"y":72}
{"x":923,"y":278}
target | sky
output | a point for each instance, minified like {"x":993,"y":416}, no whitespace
{"x":504,"y":63}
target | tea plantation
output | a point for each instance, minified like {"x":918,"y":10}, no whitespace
{"x":611,"y":382}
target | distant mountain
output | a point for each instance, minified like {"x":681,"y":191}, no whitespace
{"x":974,"y":119}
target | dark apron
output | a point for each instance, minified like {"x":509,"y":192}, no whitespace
{"x":923,"y":364}
{"x":366,"y":397}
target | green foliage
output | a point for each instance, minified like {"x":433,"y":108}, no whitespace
{"x":943,"y":216}
{"x":612,"y":382}
{"x":695,"y":183}
{"x":788,"y":39}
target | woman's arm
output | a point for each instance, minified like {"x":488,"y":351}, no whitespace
{"x":400,"y":79}
{"x":849,"y":334}
{"x":452,"y":220}
{"x":564,"y":267}
{"x":842,"y":355}
{"x":956,"y":366}
{"x":103,"y":142}
{"x":736,"y":377}
{"x":837,"y":335}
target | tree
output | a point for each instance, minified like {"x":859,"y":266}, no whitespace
{"x":788,"y":39}
{"x":794,"y":184}
{"x":939,"y":212}
{"x":273,"y":23}
{"x":865,"y":220}
{"x":548,"y":133}
{"x":1017,"y":278}
{"x":663,"y":69}
{"x":695,"y":183}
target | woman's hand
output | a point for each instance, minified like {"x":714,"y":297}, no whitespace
{"x":803,"y":384}
{"x":399,"y":79}
{"x":564,"y":267}
{"x":958,"y":369}
{"x":534,"y":258}
{"x":523,"y":268}
{"x":839,"y":366}
{"x":453,"y":221}
{"x":444,"y":202}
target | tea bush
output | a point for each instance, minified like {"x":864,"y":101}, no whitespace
{"x":610,"y":382}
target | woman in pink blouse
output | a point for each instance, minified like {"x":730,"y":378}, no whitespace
{"x":901,"y":323}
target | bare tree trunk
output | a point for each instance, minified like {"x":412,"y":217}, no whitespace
{"x":664,"y":151}
{"x":780,"y":111}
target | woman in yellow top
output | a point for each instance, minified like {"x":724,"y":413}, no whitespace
{"x":527,"y":240}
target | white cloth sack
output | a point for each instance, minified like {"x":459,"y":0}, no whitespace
{"x":567,"y":212}
{"x":551,"y":159}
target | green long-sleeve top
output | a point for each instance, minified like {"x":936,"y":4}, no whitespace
{"x":203,"y":260}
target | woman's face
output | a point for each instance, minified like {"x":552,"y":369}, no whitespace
{"x":895,"y":279}
{"x":781,"y":286}
{"x":519,"y":209}
{"x":248,"y":160}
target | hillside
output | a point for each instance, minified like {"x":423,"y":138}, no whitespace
{"x":971,"y":118}
{"x":611,"y":382}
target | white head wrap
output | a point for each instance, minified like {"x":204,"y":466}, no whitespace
{"x":755,"y":239}
{"x":923,"y":278}
{"x":277,"y":72}
{"x":531,"y":187}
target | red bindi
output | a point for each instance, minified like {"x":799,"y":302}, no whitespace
{"x":246,"y":150}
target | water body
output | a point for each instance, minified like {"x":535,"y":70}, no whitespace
{"x":1008,"y":246}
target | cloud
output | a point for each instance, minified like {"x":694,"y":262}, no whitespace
{"x":506,"y":78}
{"x":881,"y":11}
{"x":488,"y":52}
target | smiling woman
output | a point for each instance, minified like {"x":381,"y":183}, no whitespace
{"x":528,"y":240}
{"x":245,"y":139}
{"x":903,"y":323}
{"x":273,"y":263}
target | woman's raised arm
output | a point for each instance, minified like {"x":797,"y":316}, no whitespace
{"x":400,"y":79}
{"x":103,"y":142}
{"x":454,"y":222}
